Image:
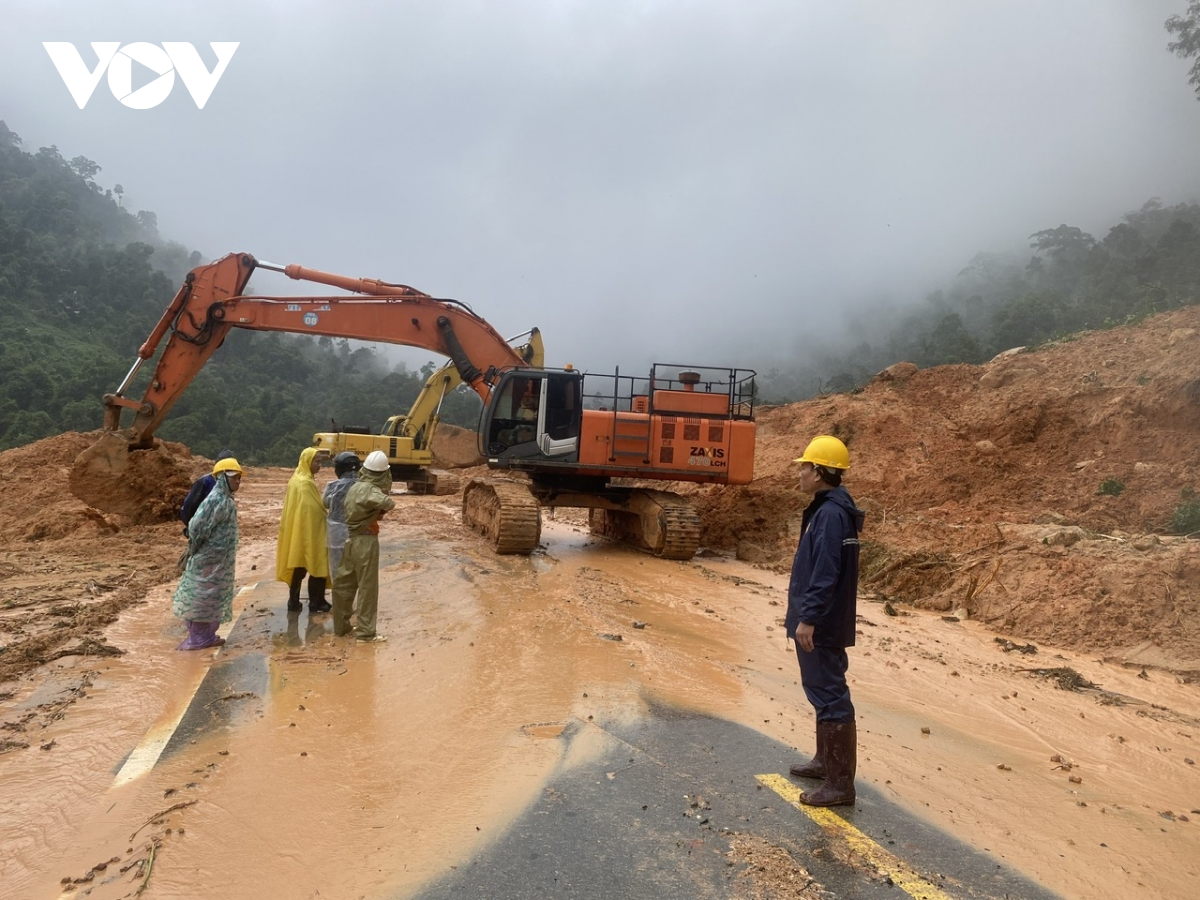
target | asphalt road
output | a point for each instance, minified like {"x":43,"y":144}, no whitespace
{"x":654,"y":816}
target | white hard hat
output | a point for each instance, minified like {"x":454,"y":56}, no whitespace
{"x":376,"y":461}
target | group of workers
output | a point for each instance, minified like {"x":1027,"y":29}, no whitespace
{"x":337,"y":532}
{"x":320,"y":534}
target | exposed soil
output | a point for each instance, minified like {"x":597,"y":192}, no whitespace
{"x":983,"y":488}
{"x":67,"y":569}
{"x":455,"y":448}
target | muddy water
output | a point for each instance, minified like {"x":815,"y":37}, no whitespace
{"x":359,"y":768}
{"x":332,"y":769}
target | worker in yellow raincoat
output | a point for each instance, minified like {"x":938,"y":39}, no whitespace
{"x":301,"y":548}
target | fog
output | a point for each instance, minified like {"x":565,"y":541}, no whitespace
{"x":694,"y":182}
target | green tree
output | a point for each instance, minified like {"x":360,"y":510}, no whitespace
{"x":949,"y":342}
{"x":85,"y":169}
{"x":1187,"y":29}
{"x":1029,"y":320}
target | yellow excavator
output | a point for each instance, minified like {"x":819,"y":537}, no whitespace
{"x":407,"y":440}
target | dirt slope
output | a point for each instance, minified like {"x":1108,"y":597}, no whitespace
{"x":66,"y":568}
{"x":982,"y":487}
{"x":980,"y":483}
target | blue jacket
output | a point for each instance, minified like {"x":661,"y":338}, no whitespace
{"x":823,"y":591}
{"x":201,"y":488}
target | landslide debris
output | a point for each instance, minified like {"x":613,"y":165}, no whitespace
{"x":1034,"y":492}
{"x":68,"y":569}
{"x":144,"y":485}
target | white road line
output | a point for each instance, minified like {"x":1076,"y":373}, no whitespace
{"x":145,"y":755}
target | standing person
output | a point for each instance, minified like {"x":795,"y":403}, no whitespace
{"x":199,"y":490}
{"x":301,"y":547}
{"x":822,"y":599}
{"x":358,"y":573}
{"x":345,"y":466}
{"x":204,"y":597}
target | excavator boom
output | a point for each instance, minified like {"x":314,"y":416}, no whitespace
{"x":211,"y":302}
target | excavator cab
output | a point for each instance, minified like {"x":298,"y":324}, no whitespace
{"x":534,"y":414}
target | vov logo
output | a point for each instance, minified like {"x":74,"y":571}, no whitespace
{"x":165,"y":61}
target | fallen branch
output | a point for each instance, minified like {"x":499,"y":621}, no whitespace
{"x":910,"y":561}
{"x":149,"y":869}
{"x":1008,"y":646}
{"x":973,"y":591}
{"x":159,"y":815}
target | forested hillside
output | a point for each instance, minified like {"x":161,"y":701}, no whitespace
{"x":1071,"y":282}
{"x":82,"y":282}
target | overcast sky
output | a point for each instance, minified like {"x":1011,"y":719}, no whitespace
{"x":690,"y":182}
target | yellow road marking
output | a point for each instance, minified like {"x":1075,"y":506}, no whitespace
{"x":145,"y":755}
{"x":903,"y":875}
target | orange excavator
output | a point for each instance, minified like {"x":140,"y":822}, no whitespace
{"x":582,"y":440}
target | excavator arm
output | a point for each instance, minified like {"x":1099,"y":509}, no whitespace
{"x":109,"y":474}
{"x":422,"y":417}
{"x":212,"y":301}
{"x":407,"y":439}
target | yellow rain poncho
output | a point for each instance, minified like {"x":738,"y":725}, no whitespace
{"x":302,"y":526}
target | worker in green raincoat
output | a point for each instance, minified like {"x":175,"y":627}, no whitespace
{"x":358,"y":572}
{"x":204,"y":597}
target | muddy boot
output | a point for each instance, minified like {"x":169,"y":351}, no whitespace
{"x":841,"y":756}
{"x":294,"y":604}
{"x":815,"y":767}
{"x":316,"y":596}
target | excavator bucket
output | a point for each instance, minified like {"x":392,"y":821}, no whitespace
{"x":145,"y":485}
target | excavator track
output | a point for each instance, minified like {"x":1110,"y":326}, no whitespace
{"x":438,"y":482}
{"x":505,"y":513}
{"x":658,"y":522}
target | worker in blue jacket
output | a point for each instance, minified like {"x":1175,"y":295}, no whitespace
{"x":200,"y":489}
{"x":822,"y":599}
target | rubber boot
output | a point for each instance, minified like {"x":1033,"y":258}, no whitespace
{"x":815,"y":767}
{"x":316,"y":596}
{"x":294,"y":604}
{"x":841,"y":759}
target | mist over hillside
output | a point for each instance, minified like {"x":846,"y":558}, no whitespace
{"x":83,"y":280}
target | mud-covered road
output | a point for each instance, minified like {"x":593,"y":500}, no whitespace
{"x":525,"y":710}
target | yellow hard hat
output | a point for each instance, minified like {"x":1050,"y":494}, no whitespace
{"x":828,"y":451}
{"x":227,"y":465}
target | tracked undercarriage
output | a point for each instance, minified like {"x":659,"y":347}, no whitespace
{"x":508,"y":514}
{"x":505,"y":513}
{"x":434,"y":481}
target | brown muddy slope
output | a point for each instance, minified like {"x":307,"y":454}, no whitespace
{"x":67,"y":569}
{"x":982,"y":486}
